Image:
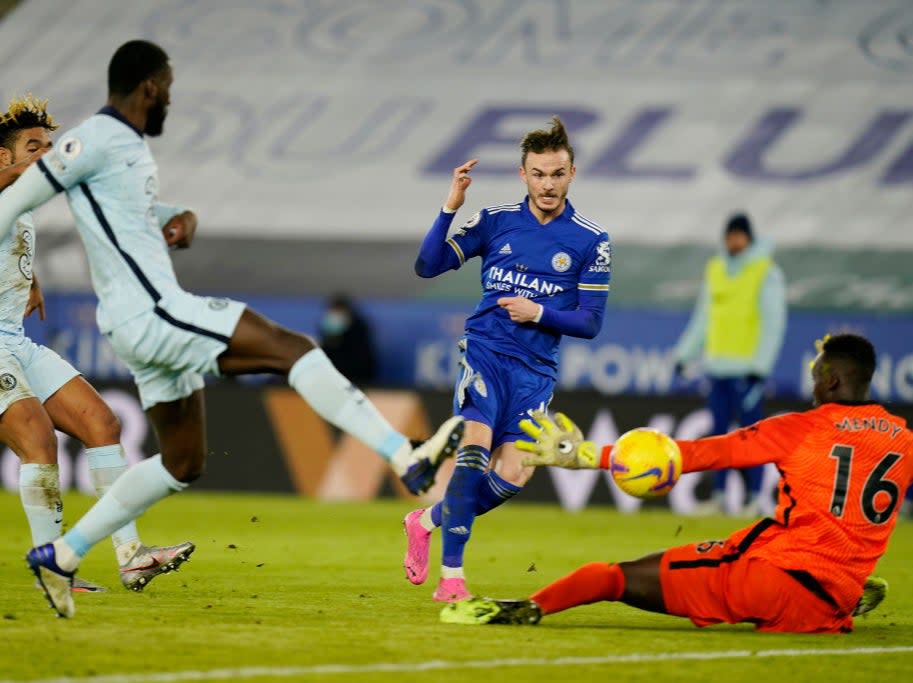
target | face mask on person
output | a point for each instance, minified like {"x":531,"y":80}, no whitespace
{"x":335,"y":323}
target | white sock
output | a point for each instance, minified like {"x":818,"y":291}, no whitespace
{"x":125,"y":551}
{"x":425,"y":520}
{"x":129,"y":497}
{"x":39,"y":490}
{"x":401,"y":458}
{"x":451,"y":572}
{"x":66,"y":558}
{"x":106,"y":464}
{"x":342,"y":404}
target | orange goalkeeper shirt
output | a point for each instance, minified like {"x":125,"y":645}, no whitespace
{"x":844,"y":470}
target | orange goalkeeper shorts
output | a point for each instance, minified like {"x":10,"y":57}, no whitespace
{"x":713,"y":583}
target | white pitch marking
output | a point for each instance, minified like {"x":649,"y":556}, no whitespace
{"x":440,"y":665}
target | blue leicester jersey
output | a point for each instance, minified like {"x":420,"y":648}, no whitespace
{"x":558,"y":265}
{"x":111,"y":181}
{"x":17,"y":251}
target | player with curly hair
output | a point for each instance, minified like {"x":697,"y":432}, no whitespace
{"x":40,"y":391}
{"x":168,"y":337}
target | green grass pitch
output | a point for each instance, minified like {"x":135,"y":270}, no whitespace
{"x":282,"y":588}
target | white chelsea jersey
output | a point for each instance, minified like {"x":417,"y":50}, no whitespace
{"x":111,"y":181}
{"x":17,"y":251}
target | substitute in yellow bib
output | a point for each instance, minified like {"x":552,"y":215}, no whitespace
{"x":737,"y":330}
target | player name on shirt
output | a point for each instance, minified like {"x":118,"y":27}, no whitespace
{"x":871,"y":423}
{"x":505,"y":280}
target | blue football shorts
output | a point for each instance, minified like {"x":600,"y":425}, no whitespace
{"x":498,"y":391}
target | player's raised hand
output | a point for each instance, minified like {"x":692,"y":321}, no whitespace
{"x":180,"y":229}
{"x":559,"y":443}
{"x":459,"y":185}
{"x":520,"y":309}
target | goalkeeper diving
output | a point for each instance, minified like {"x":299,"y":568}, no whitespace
{"x":845,"y":464}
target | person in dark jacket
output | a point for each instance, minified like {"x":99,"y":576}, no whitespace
{"x":347,"y":339}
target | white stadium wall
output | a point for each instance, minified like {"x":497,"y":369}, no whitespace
{"x":342,"y":119}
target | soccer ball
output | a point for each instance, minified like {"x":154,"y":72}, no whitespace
{"x":645,"y":463}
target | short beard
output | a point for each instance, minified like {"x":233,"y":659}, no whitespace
{"x":155,"y":120}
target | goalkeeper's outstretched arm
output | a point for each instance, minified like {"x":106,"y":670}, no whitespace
{"x":560,"y":443}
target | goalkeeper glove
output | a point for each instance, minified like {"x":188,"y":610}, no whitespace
{"x":559,"y":443}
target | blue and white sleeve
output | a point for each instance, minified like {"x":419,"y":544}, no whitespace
{"x":592,"y":291}
{"x":440,"y":253}
{"x":596,"y":273}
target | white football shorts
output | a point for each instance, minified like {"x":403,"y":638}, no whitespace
{"x":169,"y":348}
{"x":29,"y":369}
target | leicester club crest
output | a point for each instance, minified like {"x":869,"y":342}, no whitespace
{"x":561,"y":262}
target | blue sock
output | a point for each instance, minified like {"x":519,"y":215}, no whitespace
{"x":493,"y":492}
{"x":436,"y":514}
{"x":460,"y":502}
